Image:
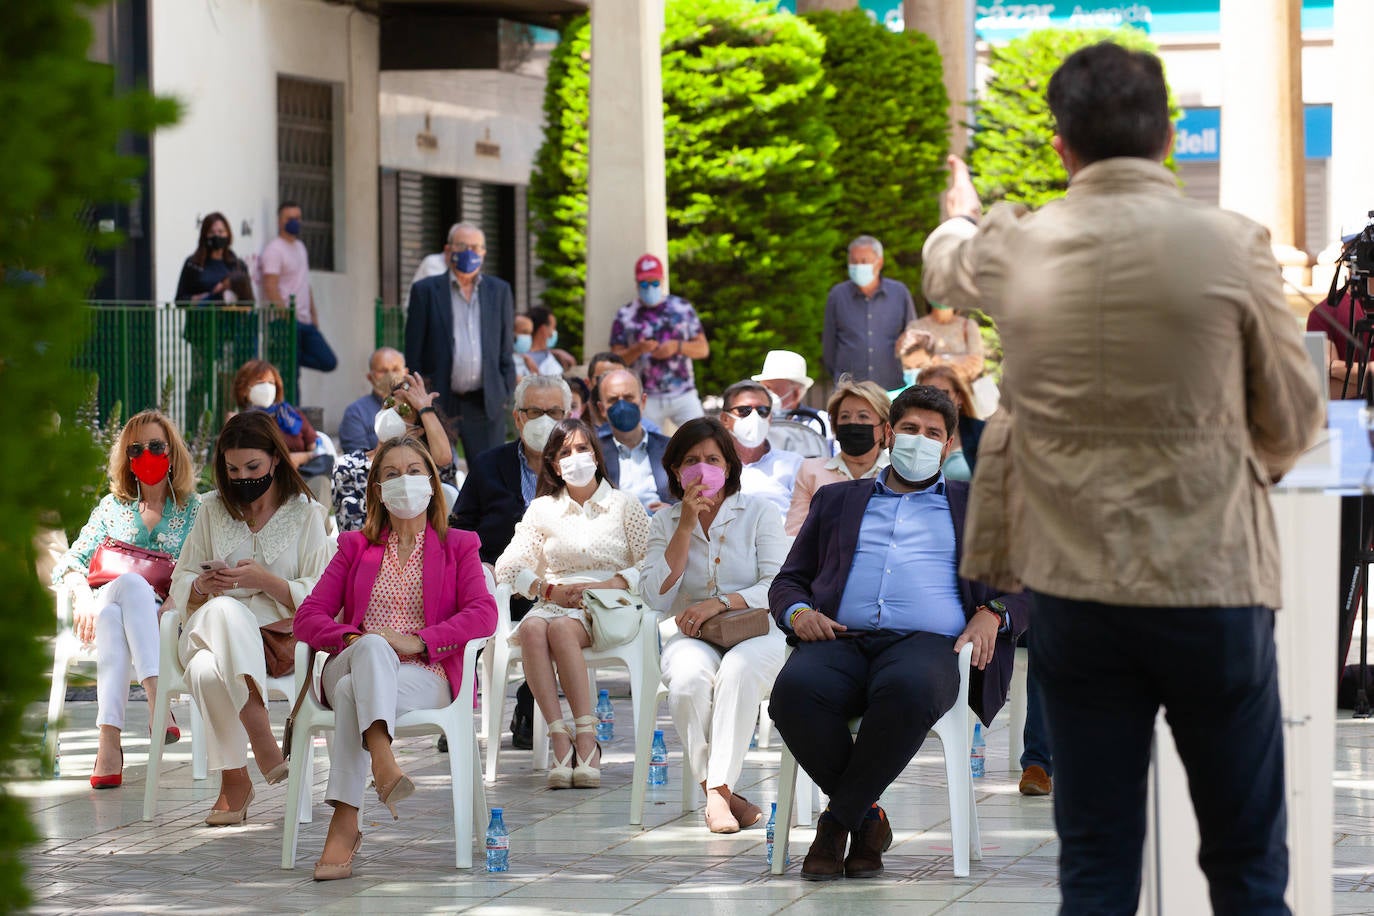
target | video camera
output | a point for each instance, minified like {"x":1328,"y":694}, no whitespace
{"x":1358,"y":253}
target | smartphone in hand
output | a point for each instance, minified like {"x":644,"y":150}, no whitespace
{"x":209,"y":565}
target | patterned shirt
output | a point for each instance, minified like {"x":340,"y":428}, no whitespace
{"x":398,"y":599}
{"x":120,"y":520}
{"x":672,"y":319}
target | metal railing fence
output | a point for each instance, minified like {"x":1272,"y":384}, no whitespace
{"x":390,"y":326}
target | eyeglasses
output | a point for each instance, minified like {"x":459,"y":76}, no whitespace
{"x":649,"y":284}
{"x":156,"y":447}
{"x":743,"y":410}
{"x":534,"y":413}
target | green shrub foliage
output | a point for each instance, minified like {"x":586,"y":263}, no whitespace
{"x":889,"y":113}
{"x":63,"y":121}
{"x":1010,"y":156}
{"x":751,"y":189}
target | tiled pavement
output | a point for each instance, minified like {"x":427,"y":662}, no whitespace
{"x":571,"y":851}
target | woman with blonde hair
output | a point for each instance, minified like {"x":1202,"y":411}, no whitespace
{"x":151,"y":504}
{"x":963,"y":454}
{"x":256,"y":550}
{"x":412,"y":593}
{"x":858,"y":412}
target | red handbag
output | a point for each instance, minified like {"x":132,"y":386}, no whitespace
{"x":114,"y":558}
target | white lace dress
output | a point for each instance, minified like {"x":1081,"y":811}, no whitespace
{"x":561,"y":542}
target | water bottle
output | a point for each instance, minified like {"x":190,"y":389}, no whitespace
{"x":977,"y":756}
{"x":605,"y":717}
{"x":498,"y":843}
{"x":658,"y":761}
{"x":769,"y":833}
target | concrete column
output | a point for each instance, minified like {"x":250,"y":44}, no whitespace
{"x":626,"y":207}
{"x":1261,"y":121}
{"x":1352,"y":131}
{"x":949,"y":25}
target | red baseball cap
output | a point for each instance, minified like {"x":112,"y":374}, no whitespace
{"x":648,"y":267}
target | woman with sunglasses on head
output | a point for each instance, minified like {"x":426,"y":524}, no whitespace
{"x":579,"y":532}
{"x":412,"y":593}
{"x":714,"y":551}
{"x":256,"y":550}
{"x":151,"y":504}
{"x":769,"y":473}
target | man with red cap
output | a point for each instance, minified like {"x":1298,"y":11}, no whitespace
{"x":658,"y":336}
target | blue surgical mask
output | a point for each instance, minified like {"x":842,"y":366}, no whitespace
{"x":652,"y":295}
{"x":861,"y":274}
{"x":466,"y":261}
{"x":293,"y":226}
{"x":624,"y":415}
{"x":552,"y":341}
{"x":523,"y":342}
{"x":916,"y":458}
{"x":909,"y":376}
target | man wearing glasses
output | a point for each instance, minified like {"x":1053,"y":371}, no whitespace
{"x":460,"y":337}
{"x":769,"y":472}
{"x":658,"y":336}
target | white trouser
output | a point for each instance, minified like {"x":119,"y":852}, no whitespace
{"x":363,"y":684}
{"x":125,"y":635}
{"x":714,"y":699}
{"x":221,"y":647}
{"x":673,"y":408}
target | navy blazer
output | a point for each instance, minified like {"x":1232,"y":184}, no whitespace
{"x":818,"y":566}
{"x":658,"y":444}
{"x":970,"y":431}
{"x":490,"y":502}
{"x":429,"y":340}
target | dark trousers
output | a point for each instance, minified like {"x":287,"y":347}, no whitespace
{"x":476,"y":430}
{"x":901,"y":683}
{"x":1104,"y":671}
{"x":1036,"y":740}
{"x":313,"y":351}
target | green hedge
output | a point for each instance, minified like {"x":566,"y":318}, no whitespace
{"x":780,"y":147}
{"x":63,"y":123}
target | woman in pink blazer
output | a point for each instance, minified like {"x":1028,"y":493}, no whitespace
{"x":412,"y":593}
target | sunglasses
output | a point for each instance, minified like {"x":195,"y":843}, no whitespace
{"x":156,"y":447}
{"x":743,"y":410}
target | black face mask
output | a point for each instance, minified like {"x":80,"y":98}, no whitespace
{"x":855,"y":438}
{"x":249,"y":489}
{"x":216,"y":242}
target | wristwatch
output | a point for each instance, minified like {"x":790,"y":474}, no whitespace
{"x":724,"y":602}
{"x":1000,"y":610}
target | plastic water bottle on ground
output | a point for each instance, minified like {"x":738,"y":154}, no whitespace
{"x":978,"y":756}
{"x":498,"y":843}
{"x":605,"y":717}
{"x":658,"y":761}
{"x":770,"y":832}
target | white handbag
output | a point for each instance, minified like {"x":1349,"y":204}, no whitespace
{"x":614,"y":615}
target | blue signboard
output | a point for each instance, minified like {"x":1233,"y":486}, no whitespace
{"x":1197,"y":136}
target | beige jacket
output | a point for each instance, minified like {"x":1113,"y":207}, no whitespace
{"x":1155,"y":385}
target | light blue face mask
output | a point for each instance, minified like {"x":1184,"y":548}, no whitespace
{"x":523,"y":342}
{"x":916,"y":458}
{"x":909,"y":376}
{"x":861,"y":274}
{"x":552,"y":341}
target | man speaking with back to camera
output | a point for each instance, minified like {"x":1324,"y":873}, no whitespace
{"x":1155,"y":386}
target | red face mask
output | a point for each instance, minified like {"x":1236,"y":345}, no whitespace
{"x":150,"y":469}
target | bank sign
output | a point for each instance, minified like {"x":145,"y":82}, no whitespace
{"x":1003,"y":20}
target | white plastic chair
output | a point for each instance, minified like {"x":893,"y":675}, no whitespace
{"x":1017,"y":702}
{"x":172,"y":681}
{"x":953,"y":730}
{"x":639,"y":656}
{"x":454,"y":721}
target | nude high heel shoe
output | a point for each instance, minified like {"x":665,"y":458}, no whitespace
{"x":584,"y":775}
{"x":561,"y":774}
{"x":336,"y":871}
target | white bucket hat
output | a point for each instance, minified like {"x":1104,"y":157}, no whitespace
{"x":785,"y":364}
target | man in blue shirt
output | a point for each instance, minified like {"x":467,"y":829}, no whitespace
{"x":872,"y":598}
{"x":385,"y":370}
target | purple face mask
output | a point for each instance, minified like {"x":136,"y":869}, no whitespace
{"x":711,"y":477}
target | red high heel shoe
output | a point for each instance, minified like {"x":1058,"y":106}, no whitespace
{"x":114,"y":780}
{"x":173,"y":733}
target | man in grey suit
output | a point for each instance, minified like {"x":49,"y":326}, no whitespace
{"x":459,"y":337}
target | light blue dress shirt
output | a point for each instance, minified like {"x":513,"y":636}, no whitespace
{"x":528,"y":479}
{"x":904,"y":577}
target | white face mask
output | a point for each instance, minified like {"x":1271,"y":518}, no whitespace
{"x":389,"y":425}
{"x":778,"y":409}
{"x":578,"y":469}
{"x":750,"y":431}
{"x":916,"y":458}
{"x":263,"y":394}
{"x":407,"y":496}
{"x":535,"y":433}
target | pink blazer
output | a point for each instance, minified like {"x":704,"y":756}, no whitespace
{"x":458,"y":606}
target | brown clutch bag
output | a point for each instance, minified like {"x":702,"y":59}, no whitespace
{"x":730,"y":628}
{"x":279,"y":647}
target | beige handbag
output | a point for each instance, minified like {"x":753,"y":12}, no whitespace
{"x":730,"y":628}
{"x":614,"y":615}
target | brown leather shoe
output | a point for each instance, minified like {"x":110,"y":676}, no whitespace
{"x":869,"y":842}
{"x":1035,"y":781}
{"x":825,"y":859}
